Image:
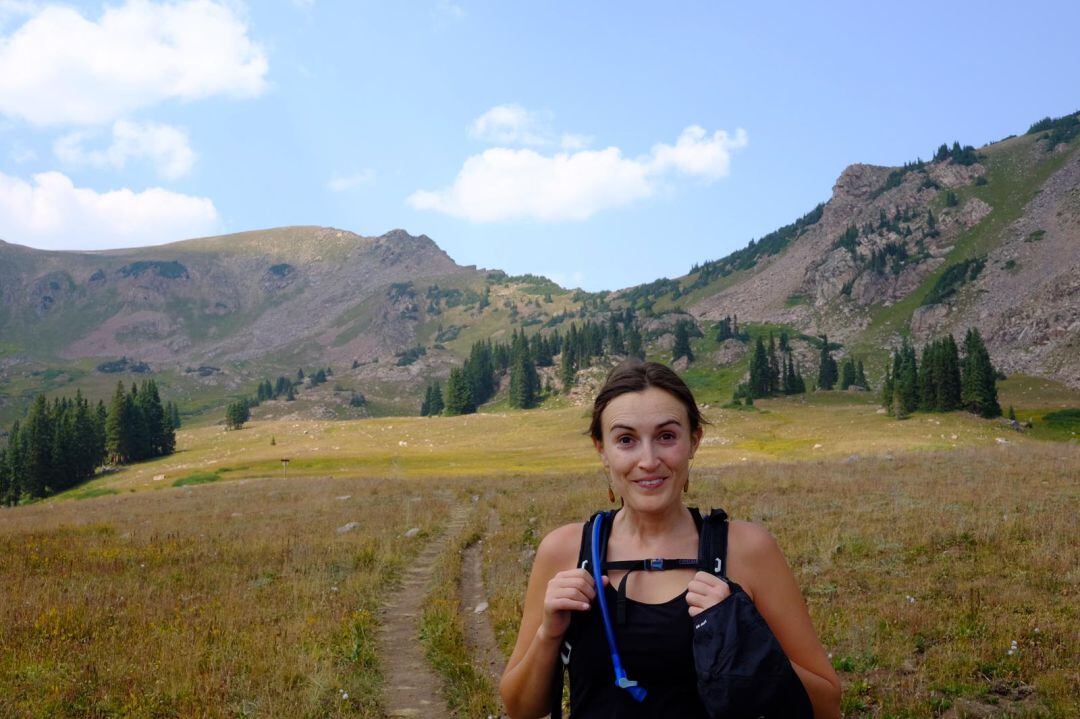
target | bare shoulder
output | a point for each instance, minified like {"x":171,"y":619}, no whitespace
{"x":754,"y":557}
{"x":750,"y":540}
{"x":559,"y":548}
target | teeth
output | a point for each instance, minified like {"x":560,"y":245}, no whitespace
{"x":651,"y":483}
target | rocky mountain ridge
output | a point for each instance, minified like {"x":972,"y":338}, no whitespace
{"x":987,"y":238}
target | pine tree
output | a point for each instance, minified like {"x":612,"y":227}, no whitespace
{"x":154,"y":418}
{"x":139,"y":429}
{"x":948,"y":395}
{"x":928,"y":378}
{"x":119,"y":439}
{"x":524,"y":381}
{"x":847,"y":373}
{"x":425,"y":406}
{"x":760,"y":373}
{"x":5,"y":479}
{"x":14,"y":455}
{"x":37,"y":449}
{"x":236,"y":414}
{"x":479,"y":370}
{"x":900,"y":410}
{"x":458,"y":395}
{"x":566,"y":369}
{"x":774,"y":367}
{"x":682,"y":343}
{"x":827,"y":371}
{"x":978,"y":392}
{"x":633,"y":342}
{"x":906,"y":382}
{"x":436,"y":406}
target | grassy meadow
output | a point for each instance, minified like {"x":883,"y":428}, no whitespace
{"x":938,"y":556}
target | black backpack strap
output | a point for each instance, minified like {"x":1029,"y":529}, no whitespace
{"x":584,"y":552}
{"x":712,"y":543}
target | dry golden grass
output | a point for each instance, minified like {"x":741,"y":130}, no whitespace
{"x":237,"y":599}
{"x":513,"y":443}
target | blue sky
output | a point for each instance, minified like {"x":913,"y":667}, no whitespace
{"x":603,"y":144}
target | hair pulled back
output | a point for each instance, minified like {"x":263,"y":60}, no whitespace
{"x":633,"y":375}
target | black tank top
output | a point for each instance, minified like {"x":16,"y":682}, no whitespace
{"x":656,"y":645}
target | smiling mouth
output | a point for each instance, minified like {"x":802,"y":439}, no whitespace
{"x":651,"y":483}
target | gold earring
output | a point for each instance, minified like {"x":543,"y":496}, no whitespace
{"x":610,"y":494}
{"x":686,"y":487}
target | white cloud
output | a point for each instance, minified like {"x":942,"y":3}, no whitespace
{"x":62,"y":68}
{"x":695,"y":153}
{"x":51,"y":213}
{"x":510,"y":125}
{"x":341,"y":183}
{"x":571,"y":141}
{"x":164,"y":146}
{"x":514,"y":125}
{"x":505,"y":184}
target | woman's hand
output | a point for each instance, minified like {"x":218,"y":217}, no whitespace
{"x":704,"y":591}
{"x":568,"y":591}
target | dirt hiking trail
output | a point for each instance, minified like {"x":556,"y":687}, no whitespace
{"x":410,"y":687}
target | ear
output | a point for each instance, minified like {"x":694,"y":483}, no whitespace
{"x":695,"y":440}
{"x":599,"y":445}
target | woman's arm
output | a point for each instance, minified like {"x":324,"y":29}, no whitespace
{"x":759,"y":566}
{"x":555,"y":590}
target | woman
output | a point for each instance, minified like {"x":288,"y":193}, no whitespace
{"x":646,"y":428}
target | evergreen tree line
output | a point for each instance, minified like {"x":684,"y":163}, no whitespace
{"x":773,"y":370}
{"x":728,"y":328}
{"x":138,"y":426}
{"x":853,"y":374}
{"x":57,"y":446}
{"x":942,"y":381}
{"x":60,"y":444}
{"x":237,"y":413}
{"x":965,"y":155}
{"x":283,"y":387}
{"x":477,"y":380}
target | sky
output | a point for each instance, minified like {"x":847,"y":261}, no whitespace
{"x":602,"y":144}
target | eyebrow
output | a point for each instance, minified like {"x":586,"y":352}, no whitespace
{"x":634,"y":429}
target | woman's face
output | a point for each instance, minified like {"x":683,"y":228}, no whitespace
{"x":647,"y":446}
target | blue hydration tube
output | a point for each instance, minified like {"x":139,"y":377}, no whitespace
{"x":621,"y":681}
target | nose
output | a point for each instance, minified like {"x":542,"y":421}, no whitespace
{"x":649,"y":458}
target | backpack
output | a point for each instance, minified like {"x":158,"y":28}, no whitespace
{"x":741,"y":669}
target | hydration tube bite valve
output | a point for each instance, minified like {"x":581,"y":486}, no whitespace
{"x":621,"y":680}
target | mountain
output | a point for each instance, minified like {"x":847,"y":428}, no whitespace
{"x":987,"y":238}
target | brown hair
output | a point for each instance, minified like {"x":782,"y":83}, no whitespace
{"x":633,"y":375}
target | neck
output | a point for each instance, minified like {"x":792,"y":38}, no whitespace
{"x":648,"y":526}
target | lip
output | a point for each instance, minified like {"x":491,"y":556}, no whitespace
{"x":660,"y":482}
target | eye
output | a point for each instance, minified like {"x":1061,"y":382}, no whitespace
{"x":668,"y":436}
{"x":624,"y":439}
